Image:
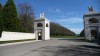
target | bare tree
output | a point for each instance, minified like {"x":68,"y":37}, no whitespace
{"x":26,"y":17}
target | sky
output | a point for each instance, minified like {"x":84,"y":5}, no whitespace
{"x":68,"y":13}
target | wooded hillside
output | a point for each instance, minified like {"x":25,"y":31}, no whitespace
{"x":56,"y":29}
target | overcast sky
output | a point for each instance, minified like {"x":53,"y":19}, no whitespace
{"x":68,"y":13}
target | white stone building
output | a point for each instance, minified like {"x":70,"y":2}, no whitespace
{"x":42,"y":28}
{"x":91,"y":25}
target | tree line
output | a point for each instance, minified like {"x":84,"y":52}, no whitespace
{"x":16,"y":19}
{"x":58,"y":30}
{"x":21,"y":19}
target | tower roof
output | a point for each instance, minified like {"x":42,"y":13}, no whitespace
{"x":90,"y":8}
{"x":42,"y":17}
{"x":91,"y":12}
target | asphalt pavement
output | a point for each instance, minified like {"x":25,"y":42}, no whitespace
{"x":53,"y":47}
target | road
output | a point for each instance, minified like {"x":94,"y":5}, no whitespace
{"x":53,"y":47}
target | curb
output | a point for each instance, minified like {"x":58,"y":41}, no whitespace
{"x":7,"y":44}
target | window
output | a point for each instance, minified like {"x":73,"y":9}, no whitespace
{"x":46,"y":25}
{"x":39,"y":25}
{"x":93,"y":20}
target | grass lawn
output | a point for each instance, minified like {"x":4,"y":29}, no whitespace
{"x":12,"y":41}
{"x":64,"y":36}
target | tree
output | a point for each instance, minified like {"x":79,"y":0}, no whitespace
{"x":82,"y":33}
{"x":26,"y":17}
{"x":1,"y":20}
{"x":10,"y":17}
{"x":56,"y":30}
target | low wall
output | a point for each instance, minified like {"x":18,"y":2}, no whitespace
{"x":16,"y":36}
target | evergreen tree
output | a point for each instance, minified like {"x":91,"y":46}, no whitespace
{"x":10,"y":17}
{"x":1,"y":20}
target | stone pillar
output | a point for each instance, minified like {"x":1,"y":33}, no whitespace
{"x":98,"y":35}
{"x":88,"y":34}
{"x":36,"y":34}
{"x":98,"y":32}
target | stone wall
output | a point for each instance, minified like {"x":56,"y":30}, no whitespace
{"x":16,"y":36}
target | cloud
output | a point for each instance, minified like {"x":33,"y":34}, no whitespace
{"x":57,"y":10}
{"x":69,"y":13}
{"x":76,"y":30}
{"x":72,"y":23}
{"x":71,"y":20}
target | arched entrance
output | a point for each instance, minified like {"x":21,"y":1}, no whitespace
{"x":39,"y":31}
{"x":93,"y":27}
{"x":39,"y":34}
{"x":93,"y":20}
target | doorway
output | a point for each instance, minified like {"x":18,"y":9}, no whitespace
{"x":94,"y":34}
{"x":39,"y":35}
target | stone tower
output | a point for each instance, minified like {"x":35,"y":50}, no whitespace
{"x":91,"y":24}
{"x":42,"y":28}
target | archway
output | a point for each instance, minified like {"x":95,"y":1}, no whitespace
{"x":39,"y":25}
{"x":93,"y":27}
{"x":93,"y":20}
{"x":39,"y":35}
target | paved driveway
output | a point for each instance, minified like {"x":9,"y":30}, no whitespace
{"x":53,"y":47}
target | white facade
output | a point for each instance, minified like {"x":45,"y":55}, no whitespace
{"x":42,"y":28}
{"x":92,"y":23}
